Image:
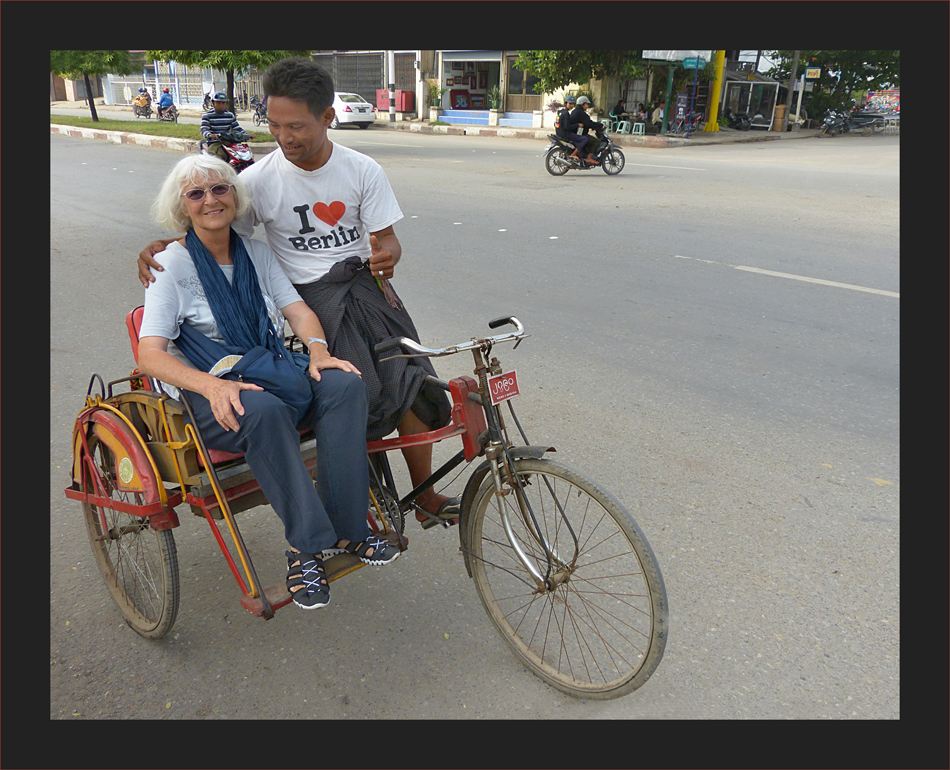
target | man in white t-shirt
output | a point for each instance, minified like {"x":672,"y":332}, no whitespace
{"x":328,"y":214}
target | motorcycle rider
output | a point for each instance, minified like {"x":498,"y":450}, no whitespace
{"x":142,"y":102}
{"x":164,"y":102}
{"x":566,"y":129}
{"x":220,"y":121}
{"x":581,"y":119}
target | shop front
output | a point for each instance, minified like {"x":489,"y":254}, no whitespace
{"x":467,"y":77}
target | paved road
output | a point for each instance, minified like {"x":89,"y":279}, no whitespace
{"x":715,"y":337}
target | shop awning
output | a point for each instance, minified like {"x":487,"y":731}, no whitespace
{"x":471,"y":55}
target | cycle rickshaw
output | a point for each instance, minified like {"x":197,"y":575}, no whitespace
{"x":560,"y":566}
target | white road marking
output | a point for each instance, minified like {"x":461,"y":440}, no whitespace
{"x":793,"y":277}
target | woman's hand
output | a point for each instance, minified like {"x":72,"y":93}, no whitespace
{"x":320,"y":358}
{"x":225,"y":399}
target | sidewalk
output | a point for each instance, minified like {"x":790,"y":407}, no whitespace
{"x":654,"y":141}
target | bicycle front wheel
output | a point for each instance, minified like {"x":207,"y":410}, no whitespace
{"x":596,"y":627}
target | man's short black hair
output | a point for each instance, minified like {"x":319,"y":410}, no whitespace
{"x":300,"y":79}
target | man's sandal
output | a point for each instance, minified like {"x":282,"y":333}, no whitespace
{"x":384,"y":552}
{"x":306,"y":569}
{"x":447,"y":515}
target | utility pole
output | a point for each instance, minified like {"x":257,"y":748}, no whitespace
{"x":791,"y":89}
{"x":391,"y":71}
{"x":713,"y":123}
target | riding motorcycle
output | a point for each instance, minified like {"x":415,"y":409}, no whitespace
{"x":260,"y":111}
{"x":236,"y":146}
{"x":558,"y":160}
{"x":141,"y":107}
{"x":740,"y":121}
{"x":169,"y":114}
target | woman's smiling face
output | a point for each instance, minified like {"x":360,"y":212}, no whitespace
{"x":212,"y":212}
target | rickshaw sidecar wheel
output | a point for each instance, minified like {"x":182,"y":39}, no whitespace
{"x":139,"y":564}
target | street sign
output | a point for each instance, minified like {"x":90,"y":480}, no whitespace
{"x":813,"y":73}
{"x":694,"y":63}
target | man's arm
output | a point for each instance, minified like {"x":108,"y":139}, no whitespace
{"x":147,"y":263}
{"x":386,"y":252}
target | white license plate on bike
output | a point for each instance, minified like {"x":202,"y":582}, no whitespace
{"x":501,"y":387}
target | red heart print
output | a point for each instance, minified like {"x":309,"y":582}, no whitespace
{"x":330,"y":214}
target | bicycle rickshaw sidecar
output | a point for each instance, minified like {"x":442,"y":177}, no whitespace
{"x":560,"y":566}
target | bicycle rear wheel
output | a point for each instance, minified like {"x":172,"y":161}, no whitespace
{"x":598,"y":630}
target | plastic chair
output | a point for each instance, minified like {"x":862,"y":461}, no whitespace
{"x":639,"y":129}
{"x":623,"y":127}
{"x":608,"y":124}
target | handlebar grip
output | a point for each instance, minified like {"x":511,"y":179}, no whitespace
{"x":499,"y":322}
{"x":390,"y":344}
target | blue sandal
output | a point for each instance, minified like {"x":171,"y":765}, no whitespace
{"x":384,"y":552}
{"x":307,"y":570}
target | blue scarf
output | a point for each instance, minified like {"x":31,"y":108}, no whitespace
{"x":239,"y":310}
{"x":238,"y":307}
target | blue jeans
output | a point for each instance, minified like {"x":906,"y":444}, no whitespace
{"x":314,"y":519}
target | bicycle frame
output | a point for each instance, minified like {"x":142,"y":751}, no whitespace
{"x":493,"y":441}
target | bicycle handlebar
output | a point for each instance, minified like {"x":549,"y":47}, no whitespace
{"x":417,"y":350}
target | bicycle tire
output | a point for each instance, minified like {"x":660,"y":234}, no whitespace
{"x":600,"y":629}
{"x":139,"y":564}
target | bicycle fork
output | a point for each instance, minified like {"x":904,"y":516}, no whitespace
{"x":501,"y":462}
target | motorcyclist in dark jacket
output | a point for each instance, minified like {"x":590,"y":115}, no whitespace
{"x":582,"y":120}
{"x":566,"y":128}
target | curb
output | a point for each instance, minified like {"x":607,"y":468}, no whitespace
{"x":650,"y":141}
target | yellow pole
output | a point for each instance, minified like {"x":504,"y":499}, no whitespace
{"x":713,"y":123}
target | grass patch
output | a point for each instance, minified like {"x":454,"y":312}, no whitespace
{"x":141,"y":126}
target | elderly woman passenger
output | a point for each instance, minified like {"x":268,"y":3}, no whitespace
{"x":232,"y":291}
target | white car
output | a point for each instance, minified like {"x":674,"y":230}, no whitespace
{"x":352,"y":108}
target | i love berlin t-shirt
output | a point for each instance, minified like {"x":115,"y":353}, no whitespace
{"x":313,"y":219}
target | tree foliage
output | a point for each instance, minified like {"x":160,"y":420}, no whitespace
{"x":556,"y":69}
{"x":227,"y":62}
{"x":843,"y":73}
{"x":81,"y":64}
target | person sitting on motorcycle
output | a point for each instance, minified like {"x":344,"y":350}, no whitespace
{"x":219,"y":121}
{"x":164,"y":102}
{"x":566,"y":129}
{"x":580,"y":118}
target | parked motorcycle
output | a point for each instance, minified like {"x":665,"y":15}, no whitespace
{"x":680,"y":126}
{"x":740,"y":121}
{"x":558,"y":160}
{"x":169,"y":114}
{"x":236,"y":146}
{"x":866,"y":122}
{"x":834,"y":123}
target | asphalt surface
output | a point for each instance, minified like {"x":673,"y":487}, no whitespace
{"x":748,"y":418}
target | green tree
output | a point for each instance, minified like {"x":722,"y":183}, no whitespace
{"x":227,"y":62}
{"x":81,"y":64}
{"x":843,"y":73}
{"x":556,"y":69}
